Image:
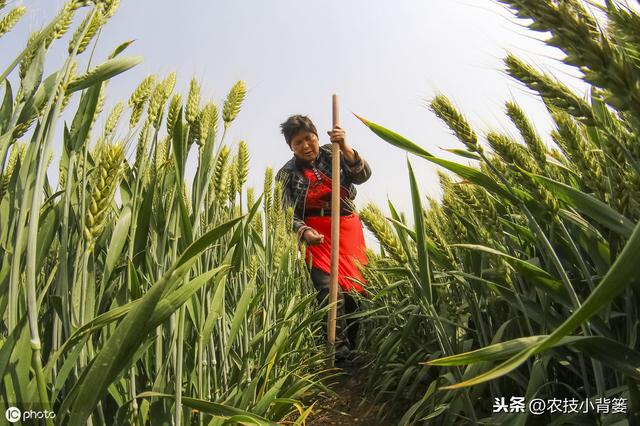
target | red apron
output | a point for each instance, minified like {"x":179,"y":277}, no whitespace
{"x":352,"y":246}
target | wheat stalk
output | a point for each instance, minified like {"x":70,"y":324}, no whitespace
{"x":174,"y":108}
{"x":570,"y":137}
{"x":511,"y":152}
{"x":528,"y":133}
{"x":113,"y":118}
{"x":110,"y":7}
{"x":243,"y":163}
{"x":445,"y":110}
{"x":11,"y":19}
{"x":157,"y":100}
{"x":575,"y":32}
{"x":139,"y":97}
{"x":267,"y":192}
{"x":105,"y":180}
{"x":374,"y":220}
{"x":16,"y":154}
{"x":553,"y":92}
{"x":204,"y":125}
{"x":233,"y":102}
{"x":220,"y":175}
{"x":233,"y":179}
{"x":95,"y":21}
{"x":63,"y":23}
{"x":193,"y":102}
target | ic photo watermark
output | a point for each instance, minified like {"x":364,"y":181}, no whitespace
{"x":14,"y":414}
{"x":539,"y":406}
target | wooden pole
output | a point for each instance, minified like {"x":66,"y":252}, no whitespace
{"x":335,"y":237}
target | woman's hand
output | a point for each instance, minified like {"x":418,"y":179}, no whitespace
{"x":313,"y":237}
{"x":337,"y":135}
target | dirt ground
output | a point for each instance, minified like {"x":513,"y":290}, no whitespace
{"x":350,"y":406}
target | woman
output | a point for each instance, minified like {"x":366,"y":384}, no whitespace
{"x":306,"y":182}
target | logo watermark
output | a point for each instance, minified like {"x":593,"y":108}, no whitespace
{"x":14,"y":414}
{"x":539,"y":406}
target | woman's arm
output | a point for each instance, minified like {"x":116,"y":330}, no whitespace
{"x":358,"y":170}
{"x":353,"y":165}
{"x":299,"y":226}
{"x":287,"y":198}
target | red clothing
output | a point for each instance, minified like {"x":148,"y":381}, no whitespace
{"x":352,"y":246}
{"x":319,"y":192}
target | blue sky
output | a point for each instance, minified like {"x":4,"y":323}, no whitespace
{"x":385,"y":59}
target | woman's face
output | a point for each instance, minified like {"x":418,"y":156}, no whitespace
{"x":305,"y":145}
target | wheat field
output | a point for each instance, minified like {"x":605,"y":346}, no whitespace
{"x":131,"y":294}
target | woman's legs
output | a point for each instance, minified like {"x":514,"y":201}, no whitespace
{"x":322,"y":282}
{"x":351,"y":306}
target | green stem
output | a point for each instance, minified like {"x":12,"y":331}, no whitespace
{"x":43,"y":148}
{"x":553,"y":257}
{"x":16,"y":260}
{"x":547,"y":248}
{"x":62,"y":286}
{"x":4,"y":149}
{"x":576,"y":254}
{"x":130,"y":255}
{"x":180,"y":348}
{"x":200,"y":374}
{"x":36,"y":362}
{"x":32,"y":237}
{"x":83,"y":300}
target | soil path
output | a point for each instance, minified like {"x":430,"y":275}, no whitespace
{"x":349,"y":406}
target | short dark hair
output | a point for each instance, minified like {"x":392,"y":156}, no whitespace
{"x":296,"y":124}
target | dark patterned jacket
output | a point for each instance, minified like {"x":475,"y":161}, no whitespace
{"x":295,"y":184}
